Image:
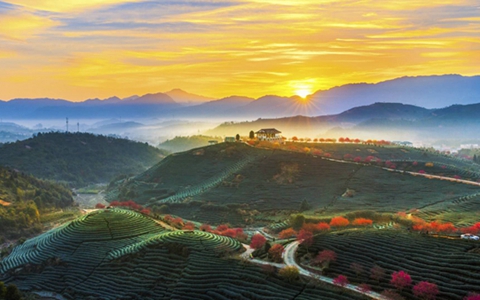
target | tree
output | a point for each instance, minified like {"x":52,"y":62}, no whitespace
{"x":251,"y":135}
{"x":339,"y":222}
{"x":189,"y":226}
{"x":305,"y":238}
{"x":425,"y":290}
{"x":3,"y":289}
{"x":258,"y":241}
{"x":324,"y":258}
{"x":357,"y":268}
{"x":472,"y":296}
{"x":237,"y":137}
{"x":400,"y":280}
{"x":362,"y":222}
{"x":377,"y":273}
{"x":12,"y":293}
{"x":205,"y":227}
{"x":391,"y":295}
{"x":323,"y":226}
{"x":99,"y":206}
{"x":341,"y":280}
{"x":290,"y":273}
{"x":275,"y":252}
{"x":287,"y":233}
{"x":297,"y":222}
{"x":305,"y":205}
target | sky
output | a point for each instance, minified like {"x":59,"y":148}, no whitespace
{"x":82,"y":49}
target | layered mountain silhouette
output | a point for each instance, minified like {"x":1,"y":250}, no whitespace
{"x":424,"y":91}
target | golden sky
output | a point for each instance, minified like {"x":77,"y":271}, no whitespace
{"x":83,"y":49}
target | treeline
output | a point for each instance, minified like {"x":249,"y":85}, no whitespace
{"x":23,"y":198}
{"x":78,"y":159}
{"x":184,"y":143}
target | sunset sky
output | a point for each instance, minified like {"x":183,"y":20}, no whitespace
{"x":83,"y":49}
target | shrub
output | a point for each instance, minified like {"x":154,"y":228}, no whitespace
{"x":258,"y":241}
{"x":290,"y":273}
{"x":425,"y":290}
{"x":205,"y":227}
{"x":391,"y":295}
{"x":189,"y":226}
{"x":364,"y":288}
{"x":377,"y":273}
{"x":400,"y":280}
{"x":339,"y":222}
{"x":340,"y":280}
{"x":287,"y":233}
{"x":362,"y":222}
{"x":275,"y":252}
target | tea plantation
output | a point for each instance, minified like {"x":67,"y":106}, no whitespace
{"x":120,"y":254}
{"x":452,"y":264}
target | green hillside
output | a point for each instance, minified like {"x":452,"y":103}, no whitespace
{"x":120,"y":254}
{"x":184,"y":143}
{"x":78,"y":158}
{"x":23,"y":199}
{"x":236,"y":183}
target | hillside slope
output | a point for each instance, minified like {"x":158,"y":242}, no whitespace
{"x":233,"y":182}
{"x":78,"y":158}
{"x":24,"y":198}
{"x":120,"y":254}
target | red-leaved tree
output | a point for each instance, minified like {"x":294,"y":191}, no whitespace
{"x":205,"y":227}
{"x":339,"y":222}
{"x":275,"y":252}
{"x":99,"y":206}
{"x":341,"y":280}
{"x":189,"y":226}
{"x":258,"y":241}
{"x":287,"y":233}
{"x":305,"y":238}
{"x":323,"y":226}
{"x":364,"y":288}
{"x":362,"y":222}
{"x":324,"y":258}
{"x":425,"y":290}
{"x":400,"y":280}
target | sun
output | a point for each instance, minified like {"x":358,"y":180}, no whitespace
{"x":303,"y":92}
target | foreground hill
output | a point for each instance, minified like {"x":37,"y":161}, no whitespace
{"x":236,"y":183}
{"x":23,"y":199}
{"x":183,"y":143}
{"x":120,"y":254}
{"x":78,"y":158}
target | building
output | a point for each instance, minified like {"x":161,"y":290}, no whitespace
{"x":230,"y":139}
{"x":269,"y":134}
{"x":212,"y":142}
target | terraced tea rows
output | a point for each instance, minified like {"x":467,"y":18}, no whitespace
{"x":119,"y":254}
{"x":445,"y":262}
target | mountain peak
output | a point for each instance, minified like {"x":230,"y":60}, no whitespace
{"x":182,"y":96}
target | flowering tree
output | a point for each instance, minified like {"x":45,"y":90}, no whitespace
{"x":205,"y":227}
{"x":425,"y":290}
{"x":340,"y":280}
{"x":189,"y":226}
{"x":305,"y":238}
{"x":362,"y":222}
{"x":400,"y":280}
{"x":364,"y":288}
{"x":287,"y":233}
{"x":275,"y":252}
{"x":99,"y":206}
{"x":323,"y":226}
{"x":472,"y":297}
{"x":339,"y":222}
{"x":258,"y":241}
{"x":377,"y":273}
{"x":324,"y":258}
{"x":391,"y":295}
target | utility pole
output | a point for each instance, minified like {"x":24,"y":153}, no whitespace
{"x":78,"y":126}
{"x":67,"y":125}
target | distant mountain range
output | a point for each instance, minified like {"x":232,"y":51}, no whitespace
{"x":425,"y":91}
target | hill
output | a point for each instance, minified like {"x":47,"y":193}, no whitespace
{"x":78,"y":159}
{"x":183,"y":143}
{"x":181,"y":96}
{"x":235,"y":183}
{"x":120,"y":254}
{"x":23,"y":199}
